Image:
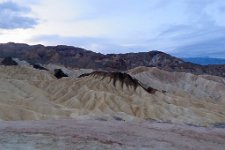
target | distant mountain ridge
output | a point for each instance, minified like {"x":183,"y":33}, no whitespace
{"x":80,"y":58}
{"x":205,"y":60}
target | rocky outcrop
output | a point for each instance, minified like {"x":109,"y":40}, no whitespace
{"x":39,"y":67}
{"x":59,"y":74}
{"x":8,"y":61}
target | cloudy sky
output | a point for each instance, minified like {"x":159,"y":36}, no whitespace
{"x":185,"y":28}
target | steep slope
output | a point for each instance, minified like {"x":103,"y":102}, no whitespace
{"x":24,"y":73}
{"x":38,"y":95}
{"x":19,"y":100}
{"x":202,"y":87}
{"x":80,"y":58}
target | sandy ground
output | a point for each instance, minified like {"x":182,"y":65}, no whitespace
{"x":85,"y":134}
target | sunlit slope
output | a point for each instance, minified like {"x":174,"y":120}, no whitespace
{"x":38,"y":95}
{"x":20,"y":100}
{"x":202,"y":87}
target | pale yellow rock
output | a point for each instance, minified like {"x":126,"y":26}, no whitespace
{"x":203,"y":87}
{"x":27,"y":94}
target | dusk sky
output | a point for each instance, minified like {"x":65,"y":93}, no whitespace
{"x":184,"y":28}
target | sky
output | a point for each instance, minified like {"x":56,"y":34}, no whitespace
{"x":184,"y":28}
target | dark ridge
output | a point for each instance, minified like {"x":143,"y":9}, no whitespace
{"x":101,"y":119}
{"x":8,"y":61}
{"x":151,"y":90}
{"x":163,"y":91}
{"x":84,"y":75}
{"x":59,"y":74}
{"x":123,"y":78}
{"x":118,"y":118}
{"x":219,"y":125}
{"x":39,"y":67}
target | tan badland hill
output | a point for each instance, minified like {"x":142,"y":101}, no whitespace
{"x":29,"y":94}
{"x":202,"y":87}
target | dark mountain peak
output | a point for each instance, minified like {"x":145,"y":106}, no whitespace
{"x":66,"y":48}
{"x":156,"y":52}
{"x":123,"y":78}
{"x":14,"y":44}
{"x":38,"y":46}
{"x":58,"y":73}
{"x":8,"y":61}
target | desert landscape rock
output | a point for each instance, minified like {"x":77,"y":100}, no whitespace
{"x":202,"y":87}
{"x":50,"y":106}
{"x":36,"y":94}
{"x":58,"y":73}
{"x":75,"y":57}
{"x":8,"y":61}
{"x":112,"y":75}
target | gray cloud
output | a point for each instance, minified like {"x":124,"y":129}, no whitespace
{"x":209,"y":48}
{"x":12,"y":16}
{"x":202,"y":38}
{"x":185,"y":28}
{"x":102,"y":45}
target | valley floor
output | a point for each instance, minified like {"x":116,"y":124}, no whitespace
{"x":96,"y":134}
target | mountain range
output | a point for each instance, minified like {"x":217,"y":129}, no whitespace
{"x":74,"y":57}
{"x":205,"y":60}
{"x":62,"y":97}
